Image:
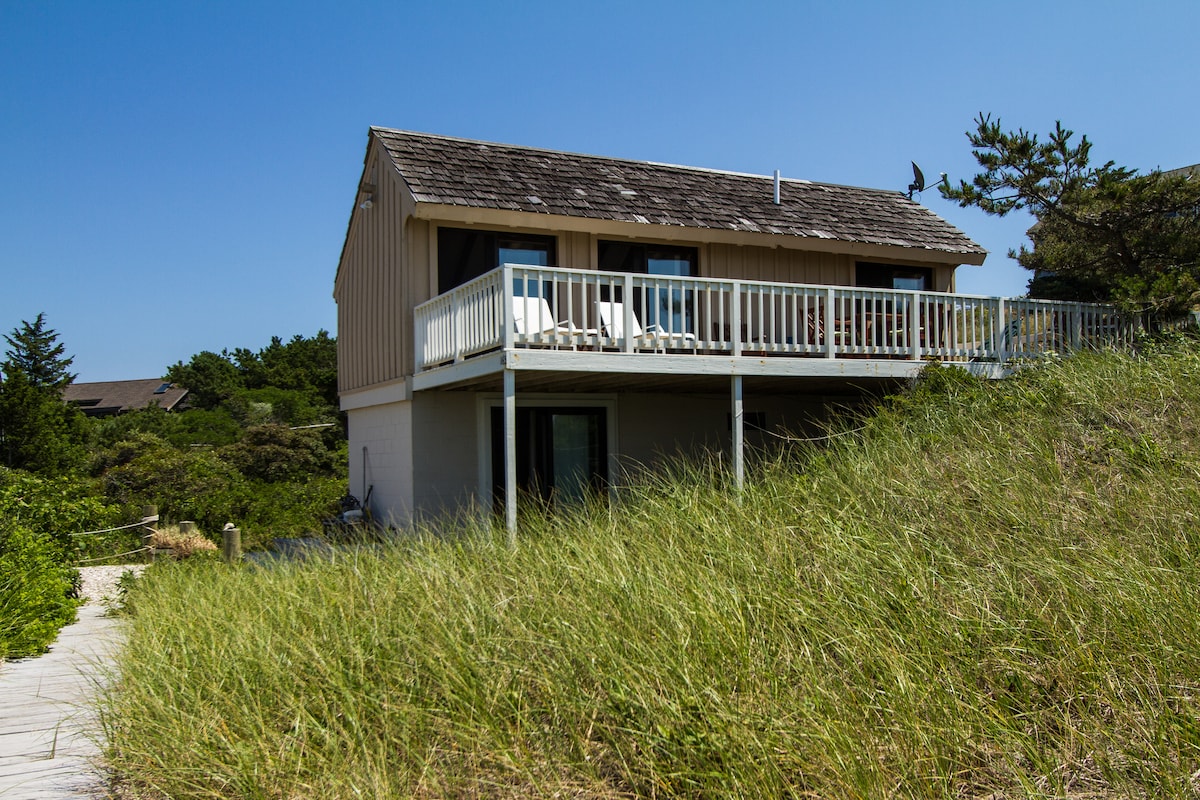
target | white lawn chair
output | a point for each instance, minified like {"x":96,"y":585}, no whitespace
{"x":532,"y":315}
{"x":612,"y":315}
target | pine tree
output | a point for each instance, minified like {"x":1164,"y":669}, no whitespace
{"x":1103,"y":232}
{"x":35,"y":351}
{"x":38,"y":431}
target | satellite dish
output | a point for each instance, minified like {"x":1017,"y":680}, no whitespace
{"x":918,"y":184}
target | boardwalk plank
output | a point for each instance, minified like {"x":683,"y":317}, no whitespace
{"x":47,"y":731}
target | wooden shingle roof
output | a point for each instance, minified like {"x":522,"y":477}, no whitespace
{"x":464,"y":172}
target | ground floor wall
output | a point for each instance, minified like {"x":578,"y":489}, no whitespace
{"x":380,"y":439}
{"x":432,"y":456}
{"x":445,"y":452}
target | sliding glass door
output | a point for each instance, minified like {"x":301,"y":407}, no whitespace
{"x":562,"y":453}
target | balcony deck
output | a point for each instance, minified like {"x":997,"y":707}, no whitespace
{"x":572,"y":323}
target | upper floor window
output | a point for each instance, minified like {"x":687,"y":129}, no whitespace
{"x":465,"y":254}
{"x":893,"y":276}
{"x":650,"y":259}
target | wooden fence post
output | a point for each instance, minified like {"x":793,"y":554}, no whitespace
{"x":231,"y":544}
{"x":149,"y":517}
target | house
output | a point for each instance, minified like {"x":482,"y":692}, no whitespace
{"x":514,"y":318}
{"x":108,"y":398}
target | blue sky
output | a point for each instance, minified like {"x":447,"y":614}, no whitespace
{"x":177,"y":177}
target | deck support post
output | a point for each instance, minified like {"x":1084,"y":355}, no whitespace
{"x":627,"y":321}
{"x":739,"y":465}
{"x":510,"y":455}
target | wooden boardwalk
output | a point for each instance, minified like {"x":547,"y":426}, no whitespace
{"x":47,"y":729}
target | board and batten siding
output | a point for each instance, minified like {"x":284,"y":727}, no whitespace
{"x":370,"y":289}
{"x":777,"y":265}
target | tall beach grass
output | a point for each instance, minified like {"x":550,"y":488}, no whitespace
{"x":990,"y":590}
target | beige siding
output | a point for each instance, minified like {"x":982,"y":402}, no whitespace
{"x":369,"y":293}
{"x":577,"y":250}
{"x":656,"y":426}
{"x":778,"y":265}
{"x":444,"y":451}
{"x":420,"y":284}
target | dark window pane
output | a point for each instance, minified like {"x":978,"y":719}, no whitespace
{"x":893,"y":276}
{"x":462,"y":255}
{"x":466,"y":254}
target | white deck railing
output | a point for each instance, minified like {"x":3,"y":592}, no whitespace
{"x":522,"y":306}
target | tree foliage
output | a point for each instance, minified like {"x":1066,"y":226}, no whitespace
{"x":36,"y":591}
{"x":262,"y":446}
{"x":292,"y":383}
{"x":38,"y":432}
{"x":1103,"y":232}
{"x":37,"y":516}
{"x":35,"y":351}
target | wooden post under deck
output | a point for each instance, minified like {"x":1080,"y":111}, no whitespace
{"x":510,"y":454}
{"x":739,"y":470}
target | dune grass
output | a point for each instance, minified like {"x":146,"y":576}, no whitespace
{"x":989,"y":589}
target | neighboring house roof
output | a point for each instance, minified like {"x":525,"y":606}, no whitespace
{"x":1193,"y":170}
{"x":114,"y":397}
{"x":464,"y":172}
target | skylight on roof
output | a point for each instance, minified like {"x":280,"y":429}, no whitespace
{"x":162,"y":389}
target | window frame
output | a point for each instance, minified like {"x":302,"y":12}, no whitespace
{"x":482,"y":252}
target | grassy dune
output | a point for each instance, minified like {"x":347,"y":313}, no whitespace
{"x":988,"y":589}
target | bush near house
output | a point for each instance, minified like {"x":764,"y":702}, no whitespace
{"x":263,"y":447}
{"x":990,"y":590}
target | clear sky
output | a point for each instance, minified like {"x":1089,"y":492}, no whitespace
{"x":177,"y":176}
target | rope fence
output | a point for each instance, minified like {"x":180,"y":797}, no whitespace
{"x":231,"y":538}
{"x":145,"y":549}
{"x":146,"y":523}
{"x":825,"y":438}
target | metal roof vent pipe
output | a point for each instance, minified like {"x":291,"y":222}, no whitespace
{"x":776,"y":187}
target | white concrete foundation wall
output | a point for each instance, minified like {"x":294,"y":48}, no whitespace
{"x":386,"y":431}
{"x":445,"y":453}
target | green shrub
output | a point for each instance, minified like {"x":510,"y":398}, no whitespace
{"x":273,"y":453}
{"x":181,"y":483}
{"x":182,"y":429}
{"x":36,"y":591}
{"x":55,"y":506}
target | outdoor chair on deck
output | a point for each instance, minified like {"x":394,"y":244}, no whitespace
{"x":612,"y":315}
{"x":532,"y":316}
